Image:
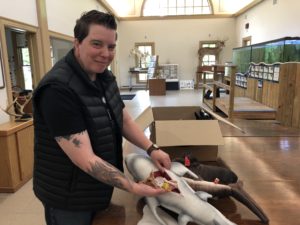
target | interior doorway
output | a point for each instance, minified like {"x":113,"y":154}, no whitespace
{"x":19,"y":53}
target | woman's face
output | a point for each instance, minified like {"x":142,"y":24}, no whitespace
{"x":97,"y":49}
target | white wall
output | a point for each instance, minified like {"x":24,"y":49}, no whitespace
{"x":20,"y":10}
{"x":176,"y":41}
{"x":62,"y":14}
{"x":268,"y":21}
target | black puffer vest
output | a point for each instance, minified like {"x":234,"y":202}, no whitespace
{"x":57,"y":182}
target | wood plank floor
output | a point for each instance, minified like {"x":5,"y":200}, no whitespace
{"x":266,"y":158}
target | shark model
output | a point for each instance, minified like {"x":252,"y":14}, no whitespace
{"x":191,"y":206}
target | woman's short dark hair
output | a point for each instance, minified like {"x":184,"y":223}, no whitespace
{"x":82,"y":26}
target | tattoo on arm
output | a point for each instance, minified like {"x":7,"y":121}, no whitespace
{"x":73,"y":138}
{"x":108,"y":174}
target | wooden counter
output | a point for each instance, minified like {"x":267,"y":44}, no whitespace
{"x":16,"y":161}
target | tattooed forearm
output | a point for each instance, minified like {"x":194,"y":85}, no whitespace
{"x":108,"y":174}
{"x":76,"y":142}
{"x":67,"y":137}
{"x":72,"y":138}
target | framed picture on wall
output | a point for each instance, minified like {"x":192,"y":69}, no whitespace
{"x":1,"y":70}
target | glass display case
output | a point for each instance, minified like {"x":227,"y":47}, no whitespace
{"x":280,"y":50}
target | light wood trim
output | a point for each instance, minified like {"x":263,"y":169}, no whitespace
{"x":18,"y":25}
{"x":61,"y":36}
{"x":44,"y":32}
{"x":5,"y":65}
{"x":37,"y":67}
{"x":11,"y":127}
{"x":222,"y":85}
{"x":231,"y":93}
{"x":207,"y":86}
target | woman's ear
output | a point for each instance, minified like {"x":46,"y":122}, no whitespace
{"x":76,"y":43}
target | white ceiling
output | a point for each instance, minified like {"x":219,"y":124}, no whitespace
{"x":133,"y":8}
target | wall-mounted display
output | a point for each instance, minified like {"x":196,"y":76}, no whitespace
{"x":265,"y":71}
{"x":241,"y":80}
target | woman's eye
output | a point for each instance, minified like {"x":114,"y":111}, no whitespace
{"x":111,"y":48}
{"x":96,"y":44}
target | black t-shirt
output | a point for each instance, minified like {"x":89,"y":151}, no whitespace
{"x":61,"y":111}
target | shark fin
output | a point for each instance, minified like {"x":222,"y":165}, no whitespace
{"x":183,"y":219}
{"x":153,"y":204}
{"x":203,"y":195}
{"x":179,"y":169}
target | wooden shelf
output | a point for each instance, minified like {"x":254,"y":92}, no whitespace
{"x":208,"y":86}
{"x":222,"y":85}
{"x":218,"y":79}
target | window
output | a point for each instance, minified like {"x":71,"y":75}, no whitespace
{"x":246,"y":41}
{"x":209,"y":53}
{"x":146,"y":52}
{"x":143,"y":52}
{"x":19,"y":58}
{"x":26,"y":66}
{"x":59,"y":48}
{"x":208,"y":60}
{"x":176,"y":7}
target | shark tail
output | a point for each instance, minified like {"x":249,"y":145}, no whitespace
{"x":242,"y":196}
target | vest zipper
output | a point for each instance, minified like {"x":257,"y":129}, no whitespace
{"x":107,"y":109}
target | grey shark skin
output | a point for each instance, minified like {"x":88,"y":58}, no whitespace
{"x":190,"y":205}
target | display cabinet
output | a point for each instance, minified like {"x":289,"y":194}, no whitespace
{"x":280,"y":50}
{"x":16,"y":161}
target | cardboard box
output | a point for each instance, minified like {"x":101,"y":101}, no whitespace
{"x":177,"y":132}
{"x":157,"y":87}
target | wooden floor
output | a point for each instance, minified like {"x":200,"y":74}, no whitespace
{"x":266,"y":158}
